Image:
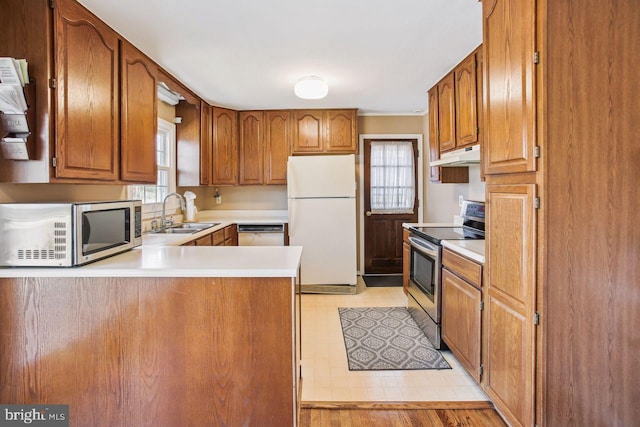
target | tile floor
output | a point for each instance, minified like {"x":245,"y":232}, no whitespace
{"x":326,"y":376}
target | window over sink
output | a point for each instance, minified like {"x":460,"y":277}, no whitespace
{"x":153,"y":195}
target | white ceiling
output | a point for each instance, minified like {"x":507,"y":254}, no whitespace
{"x":380,"y":56}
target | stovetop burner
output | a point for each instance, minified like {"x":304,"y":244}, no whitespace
{"x":473,"y":214}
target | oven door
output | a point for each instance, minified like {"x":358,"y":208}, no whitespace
{"x":424,"y":275}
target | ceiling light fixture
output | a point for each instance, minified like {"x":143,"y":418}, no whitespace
{"x":311,"y":87}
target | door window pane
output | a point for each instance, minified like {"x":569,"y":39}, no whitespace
{"x":392,"y":177}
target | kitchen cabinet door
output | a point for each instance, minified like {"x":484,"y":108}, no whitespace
{"x":440,"y":174}
{"x":224,"y":147}
{"x":509,"y":100}
{"x":278,"y":137}
{"x":251,"y":147}
{"x":466,"y":102}
{"x":218,"y":237}
{"x":231,"y":235}
{"x":188,"y":139}
{"x":446,"y":114}
{"x":87,"y":104}
{"x":509,"y":331}
{"x":308,"y":131}
{"x":206,"y":143}
{"x":462,"y":321}
{"x":138,"y":116}
{"x":341,"y":131}
{"x":204,"y":241}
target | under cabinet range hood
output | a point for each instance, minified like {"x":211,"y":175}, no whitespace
{"x":468,"y":156}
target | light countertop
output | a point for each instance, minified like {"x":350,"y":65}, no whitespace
{"x":473,"y":249}
{"x":182,"y":261}
{"x":162,"y":256}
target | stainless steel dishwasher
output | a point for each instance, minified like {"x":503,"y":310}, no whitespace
{"x":260,"y":234}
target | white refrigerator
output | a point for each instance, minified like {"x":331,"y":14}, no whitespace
{"x":322,"y":219}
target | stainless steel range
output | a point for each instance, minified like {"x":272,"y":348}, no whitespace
{"x":425,"y":264}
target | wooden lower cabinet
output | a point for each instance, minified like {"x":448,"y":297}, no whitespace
{"x":111,"y":348}
{"x":204,"y":241}
{"x":462,"y":321}
{"x":509,"y":329}
{"x":227,"y":236}
{"x":406,"y":260}
{"x":231,"y":235}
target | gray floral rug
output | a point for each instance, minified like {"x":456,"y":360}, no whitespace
{"x":386,"y":338}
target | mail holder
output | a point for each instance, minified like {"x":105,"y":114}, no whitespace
{"x":17,"y":141}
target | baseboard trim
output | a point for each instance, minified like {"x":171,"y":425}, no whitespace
{"x":476,"y":404}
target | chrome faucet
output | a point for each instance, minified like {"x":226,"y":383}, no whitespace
{"x":164,"y":207}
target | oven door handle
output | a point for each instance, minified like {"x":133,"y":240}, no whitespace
{"x":424,"y":246}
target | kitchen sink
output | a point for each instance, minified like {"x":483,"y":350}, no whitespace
{"x":187,"y":228}
{"x":194,"y":225}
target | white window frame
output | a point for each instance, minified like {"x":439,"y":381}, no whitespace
{"x":153,"y":210}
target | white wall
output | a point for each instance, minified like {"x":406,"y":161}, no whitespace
{"x":441,"y":200}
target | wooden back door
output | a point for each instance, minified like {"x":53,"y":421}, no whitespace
{"x":383,"y":231}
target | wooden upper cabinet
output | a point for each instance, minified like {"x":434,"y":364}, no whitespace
{"x":441,"y":174}
{"x":509,"y":100}
{"x":252,"y":151}
{"x":308,"y":131}
{"x":206,"y":144}
{"x":509,"y":331}
{"x":188,"y":133}
{"x":86,"y":97}
{"x":325,"y":131}
{"x":139,"y":116}
{"x":225,"y":147}
{"x":467,"y":129}
{"x":446,"y":114}
{"x":434,"y":146}
{"x":278,"y":136}
{"x":341,"y":131}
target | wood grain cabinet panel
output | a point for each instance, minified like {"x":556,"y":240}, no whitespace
{"x":218,"y":238}
{"x":86,"y":97}
{"x":325,"y":131}
{"x":465,"y":268}
{"x":278,"y":137}
{"x":510,"y":301}
{"x":252,"y":150}
{"x":206,"y":143}
{"x":447,"y":114}
{"x":406,"y":260}
{"x":139,"y":116}
{"x":509,"y":99}
{"x":204,"y":241}
{"x":188,"y":142}
{"x":341,"y":131}
{"x":466,"y":102}
{"x":440,"y":174}
{"x":308,"y":131}
{"x":462,"y":320}
{"x":224,"y":147}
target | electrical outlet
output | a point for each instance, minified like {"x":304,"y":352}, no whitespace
{"x":218,"y":200}
{"x":460,"y":200}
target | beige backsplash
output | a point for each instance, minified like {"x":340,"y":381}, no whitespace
{"x":249,"y":197}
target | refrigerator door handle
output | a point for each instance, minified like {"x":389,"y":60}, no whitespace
{"x":291,"y":225}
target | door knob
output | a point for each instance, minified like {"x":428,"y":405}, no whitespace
{"x":368,"y":213}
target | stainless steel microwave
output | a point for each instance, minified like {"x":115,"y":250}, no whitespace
{"x":67,"y":234}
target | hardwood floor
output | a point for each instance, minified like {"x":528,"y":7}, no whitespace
{"x":397,"y":415}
